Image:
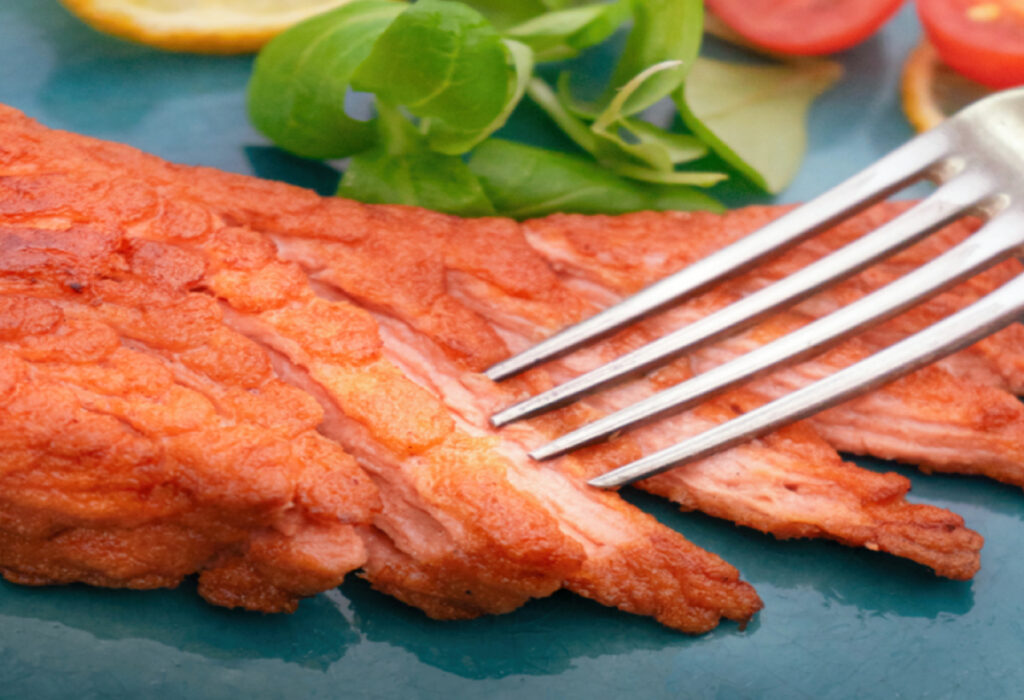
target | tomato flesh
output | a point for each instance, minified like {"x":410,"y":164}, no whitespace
{"x":805,"y":27}
{"x":981,"y":39}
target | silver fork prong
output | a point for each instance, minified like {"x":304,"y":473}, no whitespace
{"x":945,"y":205}
{"x":995,"y":241}
{"x":886,"y":176}
{"x":991,"y":313}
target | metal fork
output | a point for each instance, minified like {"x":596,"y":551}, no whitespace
{"x":977,"y":160}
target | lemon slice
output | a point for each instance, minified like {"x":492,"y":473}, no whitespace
{"x":201,"y":26}
{"x":932,"y":90}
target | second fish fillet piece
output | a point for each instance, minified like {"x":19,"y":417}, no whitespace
{"x":790,"y":483}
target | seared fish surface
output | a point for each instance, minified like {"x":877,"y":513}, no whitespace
{"x":207,"y":373}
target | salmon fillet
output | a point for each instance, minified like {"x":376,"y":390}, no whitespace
{"x":378,"y":320}
{"x":490,"y":271}
{"x":791,"y":484}
{"x":461,"y":522}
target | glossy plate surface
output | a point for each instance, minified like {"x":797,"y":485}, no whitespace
{"x":837,"y":623}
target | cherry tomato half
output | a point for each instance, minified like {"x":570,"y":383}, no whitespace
{"x":981,"y":39}
{"x":805,"y":27}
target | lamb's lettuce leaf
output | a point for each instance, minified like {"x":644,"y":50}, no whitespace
{"x":301,"y":78}
{"x":562,"y":34}
{"x":506,"y":13}
{"x":625,"y":147}
{"x":523,"y":181}
{"x":422,"y":178}
{"x":612,"y":125}
{"x":402,"y":169}
{"x":454,"y":137}
{"x":662,"y":45}
{"x":681,"y":148}
{"x":446,"y":75}
{"x":444,"y":62}
{"x":663,"y":30}
{"x":755,"y":116}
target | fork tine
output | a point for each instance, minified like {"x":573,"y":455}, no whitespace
{"x":947,"y":204}
{"x":994,"y":311}
{"x":886,"y":176}
{"x":995,"y":241}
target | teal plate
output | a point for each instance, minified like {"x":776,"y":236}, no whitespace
{"x":837,"y":622}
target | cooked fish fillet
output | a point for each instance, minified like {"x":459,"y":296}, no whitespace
{"x":382,"y":317}
{"x":466,"y":523}
{"x":790,"y":484}
{"x":489,"y":268}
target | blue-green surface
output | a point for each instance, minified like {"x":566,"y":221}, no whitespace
{"x":837,"y":623}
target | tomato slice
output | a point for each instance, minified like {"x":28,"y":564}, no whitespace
{"x":805,"y":27}
{"x":981,"y":39}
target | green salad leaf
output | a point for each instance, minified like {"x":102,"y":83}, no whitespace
{"x":755,"y":116}
{"x":523,"y":181}
{"x":695,"y":178}
{"x":555,"y":36}
{"x":424,"y":179}
{"x":456,"y":137}
{"x":681,"y":148}
{"x":446,"y":75}
{"x":297,"y":92}
{"x":443,"y":62}
{"x":567,"y":120}
{"x":612,"y":125}
{"x":506,"y":13}
{"x":663,"y":30}
{"x":402,"y":169}
{"x":627,"y":147}
{"x":662,"y":45}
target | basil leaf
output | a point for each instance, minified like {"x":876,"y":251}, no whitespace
{"x":663,"y":30}
{"x":296,"y":95}
{"x":456,"y":138}
{"x":441,"y":60}
{"x":754,"y":116}
{"x":403,"y":170}
{"x":523,"y":181}
{"x":560,"y":35}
